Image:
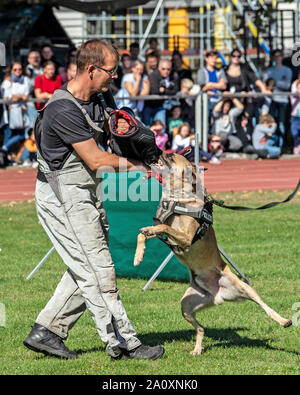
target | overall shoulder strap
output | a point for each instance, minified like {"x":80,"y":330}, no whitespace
{"x":60,"y":94}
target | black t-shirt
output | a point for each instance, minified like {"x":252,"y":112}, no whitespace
{"x":64,"y":124}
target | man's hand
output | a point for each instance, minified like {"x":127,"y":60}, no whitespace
{"x":123,"y":126}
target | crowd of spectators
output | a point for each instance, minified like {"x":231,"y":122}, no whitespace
{"x":258,"y":126}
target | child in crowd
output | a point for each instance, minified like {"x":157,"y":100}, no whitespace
{"x":215,"y":146}
{"x":295,"y":117}
{"x":27,"y":154}
{"x":264,"y":136}
{"x":184,"y":139}
{"x":270,"y":85}
{"x":174,"y":121}
{"x":161,"y":137}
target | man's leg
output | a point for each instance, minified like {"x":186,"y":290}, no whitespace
{"x":79,"y":238}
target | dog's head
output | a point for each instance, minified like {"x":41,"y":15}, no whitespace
{"x":179,"y":176}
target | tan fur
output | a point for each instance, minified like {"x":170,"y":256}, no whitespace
{"x":212,"y":281}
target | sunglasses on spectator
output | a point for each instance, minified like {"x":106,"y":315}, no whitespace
{"x":20,"y":69}
{"x":235,"y":56}
{"x":216,"y":141}
{"x":109,"y":72}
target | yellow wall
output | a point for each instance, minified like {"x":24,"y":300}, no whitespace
{"x":178,"y":25}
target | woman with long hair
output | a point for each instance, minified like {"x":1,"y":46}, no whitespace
{"x":16,"y":88}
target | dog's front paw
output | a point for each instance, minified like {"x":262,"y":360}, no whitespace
{"x":197,"y":351}
{"x":148,"y":231}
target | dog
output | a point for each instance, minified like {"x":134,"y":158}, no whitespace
{"x":212,"y":281}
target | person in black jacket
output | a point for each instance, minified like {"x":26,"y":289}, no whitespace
{"x":244,"y":134}
{"x":160,"y":84}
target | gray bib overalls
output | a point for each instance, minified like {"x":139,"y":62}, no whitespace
{"x":75,"y":221}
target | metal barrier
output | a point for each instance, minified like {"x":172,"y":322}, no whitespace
{"x":201,"y":109}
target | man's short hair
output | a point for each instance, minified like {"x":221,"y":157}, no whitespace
{"x":212,"y":52}
{"x":94,"y":52}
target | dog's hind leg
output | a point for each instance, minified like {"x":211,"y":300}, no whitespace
{"x":194,"y":300}
{"x":232,"y":288}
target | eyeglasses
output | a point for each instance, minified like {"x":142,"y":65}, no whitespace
{"x":17,"y":69}
{"x":235,"y":56}
{"x":109,"y":72}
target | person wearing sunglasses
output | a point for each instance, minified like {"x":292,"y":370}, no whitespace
{"x":70,"y":209}
{"x":15,"y":87}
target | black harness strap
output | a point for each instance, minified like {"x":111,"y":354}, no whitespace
{"x":203,"y":216}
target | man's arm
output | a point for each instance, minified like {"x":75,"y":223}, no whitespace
{"x":96,"y":159}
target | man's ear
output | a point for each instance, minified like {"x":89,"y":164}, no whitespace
{"x":90,"y":70}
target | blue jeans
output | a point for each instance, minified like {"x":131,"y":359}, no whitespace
{"x":295,"y":129}
{"x":26,"y":155}
{"x":13,"y":137}
{"x":279,"y":112}
{"x":151,"y":114}
{"x":272,"y":147}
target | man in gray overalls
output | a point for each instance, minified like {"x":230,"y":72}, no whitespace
{"x":74,"y":218}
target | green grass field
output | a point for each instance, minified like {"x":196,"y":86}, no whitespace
{"x":239,"y":337}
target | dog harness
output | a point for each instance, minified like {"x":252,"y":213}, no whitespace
{"x":203,"y":215}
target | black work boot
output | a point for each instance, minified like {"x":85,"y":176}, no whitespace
{"x":142,"y":352}
{"x":40,"y":339}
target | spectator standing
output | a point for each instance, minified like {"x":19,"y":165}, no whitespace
{"x":161,"y":137}
{"x":211,"y":80}
{"x":33,"y":69}
{"x":46,"y":84}
{"x":15,"y":87}
{"x":153,"y":47}
{"x":295,"y":117}
{"x":135,"y":83}
{"x":225,"y":114}
{"x":242,"y":79}
{"x":123,"y":68}
{"x":187,"y":104}
{"x":264,"y":136}
{"x":48,"y":55}
{"x":283,"y":78}
{"x":134,"y":50}
{"x":160,"y":84}
{"x":179,"y":67}
{"x":151,"y":62}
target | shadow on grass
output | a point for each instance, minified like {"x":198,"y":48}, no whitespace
{"x":224,"y":337}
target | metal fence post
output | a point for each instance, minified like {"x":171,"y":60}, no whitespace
{"x":205,"y":122}
{"x":198,"y":127}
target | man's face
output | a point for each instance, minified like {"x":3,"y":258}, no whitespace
{"x":102,"y":79}
{"x":165,"y":69}
{"x":211,"y":60}
{"x":34,"y":59}
{"x":152,"y":62}
{"x":47,"y":53}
